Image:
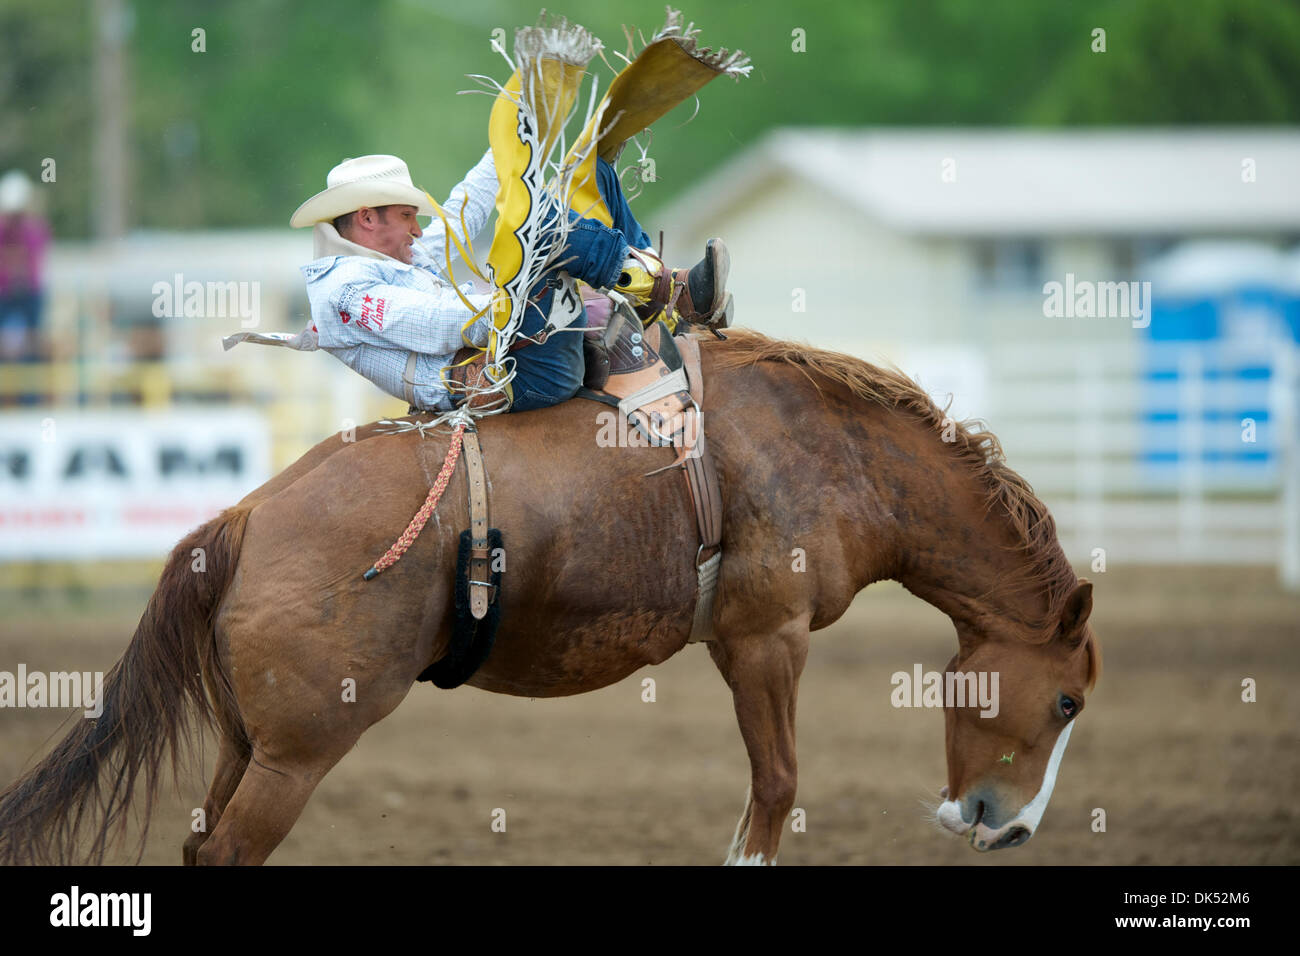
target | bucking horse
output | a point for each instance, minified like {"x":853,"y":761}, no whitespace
{"x":852,"y":463}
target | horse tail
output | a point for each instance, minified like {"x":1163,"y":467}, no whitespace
{"x":170,"y":674}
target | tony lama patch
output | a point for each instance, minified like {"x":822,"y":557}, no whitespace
{"x":102,"y":909}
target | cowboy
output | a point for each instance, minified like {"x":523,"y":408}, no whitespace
{"x":380,"y":303}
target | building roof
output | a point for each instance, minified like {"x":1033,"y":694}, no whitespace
{"x":133,"y":264}
{"x":1017,"y":182}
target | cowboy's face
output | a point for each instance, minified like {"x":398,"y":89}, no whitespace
{"x":387,"y":229}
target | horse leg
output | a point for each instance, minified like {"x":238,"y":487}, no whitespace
{"x":232,"y":761}
{"x":763,"y":674}
{"x":265,"y":806}
{"x":300,"y":728}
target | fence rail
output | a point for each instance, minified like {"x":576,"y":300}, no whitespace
{"x":1168,"y":452}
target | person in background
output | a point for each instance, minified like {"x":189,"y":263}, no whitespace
{"x":24,"y":239}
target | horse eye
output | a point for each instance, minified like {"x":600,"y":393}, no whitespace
{"x":1068,"y":707}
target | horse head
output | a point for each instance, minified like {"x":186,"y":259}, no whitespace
{"x":1003,"y":757}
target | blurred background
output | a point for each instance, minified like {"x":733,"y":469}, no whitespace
{"x":902,"y":181}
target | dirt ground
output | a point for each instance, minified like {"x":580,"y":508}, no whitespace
{"x":1186,"y":772}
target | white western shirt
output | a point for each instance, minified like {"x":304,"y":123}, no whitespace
{"x":371,"y":311}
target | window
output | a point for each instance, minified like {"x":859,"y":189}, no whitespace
{"x":1009,"y":265}
{"x":1130,"y":255}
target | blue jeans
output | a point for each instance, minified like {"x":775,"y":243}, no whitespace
{"x":552,"y":372}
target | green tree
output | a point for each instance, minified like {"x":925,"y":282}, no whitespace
{"x":1180,"y":62}
{"x":46,"y":110}
{"x":241,"y":133}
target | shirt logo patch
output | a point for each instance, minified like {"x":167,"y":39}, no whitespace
{"x":344,"y":316}
{"x":372,"y":310}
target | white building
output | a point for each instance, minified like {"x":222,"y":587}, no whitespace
{"x":932,"y":249}
{"x":898,"y":237}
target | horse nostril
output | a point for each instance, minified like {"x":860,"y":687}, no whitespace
{"x":1013,"y":837}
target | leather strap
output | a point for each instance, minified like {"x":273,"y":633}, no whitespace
{"x":701,"y":476}
{"x":635,"y":362}
{"x":702,"y":479}
{"x":706,"y":496}
{"x":662,"y":277}
{"x":652,"y":391}
{"x":480,"y":587}
{"x":689,"y":347}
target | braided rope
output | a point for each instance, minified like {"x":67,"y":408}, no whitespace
{"x":422,"y":516}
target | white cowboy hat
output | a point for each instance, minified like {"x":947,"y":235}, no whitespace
{"x":365,"y":181}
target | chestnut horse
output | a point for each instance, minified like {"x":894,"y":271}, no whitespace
{"x":853,"y":464}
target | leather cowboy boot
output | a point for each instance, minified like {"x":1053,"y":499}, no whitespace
{"x":697,"y":295}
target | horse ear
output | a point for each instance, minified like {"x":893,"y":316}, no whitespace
{"x":1077,"y":608}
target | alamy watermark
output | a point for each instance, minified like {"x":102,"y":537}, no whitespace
{"x":76,"y":909}
{"x":615,"y":431}
{"x":56,"y":689}
{"x":208,"y":300}
{"x":1085,"y":299}
{"x":953,"y":689}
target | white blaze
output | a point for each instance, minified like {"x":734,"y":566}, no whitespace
{"x":1033,"y":810}
{"x":950,"y":814}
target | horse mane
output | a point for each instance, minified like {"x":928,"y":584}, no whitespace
{"x":972,"y":443}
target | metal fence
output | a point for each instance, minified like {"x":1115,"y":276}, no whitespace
{"x":1168,"y":453}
